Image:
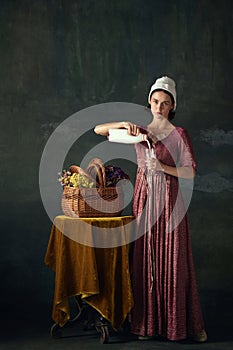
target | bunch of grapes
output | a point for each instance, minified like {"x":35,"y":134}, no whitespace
{"x":114,"y":175}
{"x":78,"y":180}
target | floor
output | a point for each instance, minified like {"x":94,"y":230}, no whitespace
{"x":35,"y":335}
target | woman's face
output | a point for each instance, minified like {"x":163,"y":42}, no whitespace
{"x":161,"y":104}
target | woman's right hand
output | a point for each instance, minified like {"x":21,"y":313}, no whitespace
{"x":132,"y":128}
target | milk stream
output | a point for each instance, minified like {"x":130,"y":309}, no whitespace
{"x":122,"y":136}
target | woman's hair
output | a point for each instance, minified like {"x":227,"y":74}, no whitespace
{"x":172,"y":113}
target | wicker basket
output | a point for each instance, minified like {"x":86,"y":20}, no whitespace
{"x":92,"y":202}
{"x":100,"y":201}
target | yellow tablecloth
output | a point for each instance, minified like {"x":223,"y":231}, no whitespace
{"x":100,"y":276}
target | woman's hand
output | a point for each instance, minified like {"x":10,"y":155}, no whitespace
{"x":132,"y":128}
{"x":153,"y":164}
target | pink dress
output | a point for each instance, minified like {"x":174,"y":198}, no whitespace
{"x":166,"y":301}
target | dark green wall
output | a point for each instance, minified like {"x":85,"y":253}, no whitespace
{"x":58,"y":57}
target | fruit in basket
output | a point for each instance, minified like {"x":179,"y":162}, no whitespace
{"x":114,"y":175}
{"x":75,"y":180}
{"x":79,"y":180}
{"x":96,"y":175}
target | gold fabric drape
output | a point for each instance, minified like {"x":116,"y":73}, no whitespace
{"x":100,"y":276}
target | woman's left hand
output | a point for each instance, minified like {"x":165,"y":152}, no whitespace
{"x":153,"y":164}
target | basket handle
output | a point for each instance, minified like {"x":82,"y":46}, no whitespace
{"x":96,"y":170}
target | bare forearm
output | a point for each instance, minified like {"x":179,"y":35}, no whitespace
{"x":102,"y":129}
{"x":182,"y":172}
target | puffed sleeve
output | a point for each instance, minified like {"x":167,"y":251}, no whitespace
{"x":186,"y":151}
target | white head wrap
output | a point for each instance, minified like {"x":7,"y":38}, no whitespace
{"x":164,"y":83}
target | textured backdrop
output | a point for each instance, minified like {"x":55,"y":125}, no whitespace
{"x":58,"y":57}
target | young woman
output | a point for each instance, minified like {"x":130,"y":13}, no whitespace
{"x":166,"y":301}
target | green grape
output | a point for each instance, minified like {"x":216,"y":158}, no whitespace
{"x":79,"y":180}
